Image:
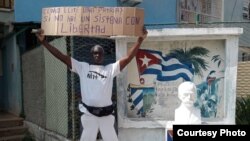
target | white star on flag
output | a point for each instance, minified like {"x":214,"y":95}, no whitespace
{"x":145,"y":61}
{"x":166,"y":68}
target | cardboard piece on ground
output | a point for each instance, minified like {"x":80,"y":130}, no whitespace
{"x":92,"y":21}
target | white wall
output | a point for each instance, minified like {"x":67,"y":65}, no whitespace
{"x":153,"y":128}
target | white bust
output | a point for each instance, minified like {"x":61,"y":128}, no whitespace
{"x":187,"y":113}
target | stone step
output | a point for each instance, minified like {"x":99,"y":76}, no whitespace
{"x":12,"y":138}
{"x":12,"y":131}
{"x":11,"y":122}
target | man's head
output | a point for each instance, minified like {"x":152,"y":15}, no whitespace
{"x":97,"y":52}
{"x":187,"y":93}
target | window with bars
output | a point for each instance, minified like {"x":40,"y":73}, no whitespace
{"x":8,"y":4}
{"x":246,"y":9}
{"x":202,"y":11}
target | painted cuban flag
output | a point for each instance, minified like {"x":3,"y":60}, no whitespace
{"x":141,"y":98}
{"x":166,"y":68}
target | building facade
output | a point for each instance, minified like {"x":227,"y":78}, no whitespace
{"x":51,"y":92}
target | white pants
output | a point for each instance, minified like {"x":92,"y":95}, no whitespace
{"x":91,"y":124}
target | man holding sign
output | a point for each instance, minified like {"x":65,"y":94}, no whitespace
{"x":96,"y":81}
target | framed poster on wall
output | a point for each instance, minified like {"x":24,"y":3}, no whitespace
{"x":159,"y":67}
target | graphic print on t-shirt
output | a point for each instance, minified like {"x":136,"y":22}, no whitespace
{"x":95,"y":75}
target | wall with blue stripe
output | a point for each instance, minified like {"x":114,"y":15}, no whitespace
{"x":159,"y":11}
{"x":156,"y":11}
{"x":30,"y":10}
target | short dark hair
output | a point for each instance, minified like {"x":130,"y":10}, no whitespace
{"x":97,"y":46}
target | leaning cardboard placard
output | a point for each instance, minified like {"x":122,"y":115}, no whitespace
{"x":92,"y":21}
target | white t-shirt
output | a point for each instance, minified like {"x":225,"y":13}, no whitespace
{"x":96,"y":82}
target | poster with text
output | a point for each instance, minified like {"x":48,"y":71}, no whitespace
{"x":92,"y":21}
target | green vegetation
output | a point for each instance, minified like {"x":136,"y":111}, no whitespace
{"x":193,"y":56}
{"x":243,"y":110}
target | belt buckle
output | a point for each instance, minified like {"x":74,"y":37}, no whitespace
{"x":97,"y":111}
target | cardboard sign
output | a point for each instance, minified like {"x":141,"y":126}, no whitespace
{"x":77,"y":21}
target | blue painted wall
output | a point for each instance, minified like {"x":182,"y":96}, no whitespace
{"x":12,"y":77}
{"x":159,"y":11}
{"x":30,"y":10}
{"x":156,"y":11}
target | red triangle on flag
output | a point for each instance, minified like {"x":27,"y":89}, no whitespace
{"x":145,"y":59}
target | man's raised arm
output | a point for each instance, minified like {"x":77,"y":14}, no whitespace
{"x":54,"y":51}
{"x":133,"y":50}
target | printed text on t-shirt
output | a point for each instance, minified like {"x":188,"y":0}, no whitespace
{"x":95,"y":75}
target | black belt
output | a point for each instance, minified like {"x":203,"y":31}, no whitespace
{"x":99,"y":111}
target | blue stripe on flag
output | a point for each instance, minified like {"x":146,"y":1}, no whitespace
{"x":176,"y":66}
{"x":138,"y":99}
{"x":169,"y":68}
{"x":175,"y":77}
{"x":167,"y":78}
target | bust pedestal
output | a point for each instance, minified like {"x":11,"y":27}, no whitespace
{"x":186,"y":113}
